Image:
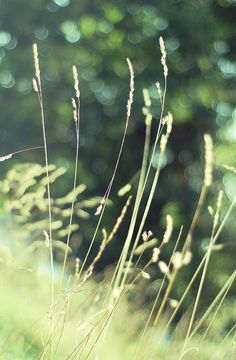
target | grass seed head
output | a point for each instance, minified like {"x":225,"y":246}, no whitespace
{"x":76,"y":81}
{"x":145,"y":275}
{"x":163,"y":143}
{"x":36,"y":61}
{"x":46,"y":240}
{"x":35,"y":85}
{"x":146,"y":97}
{"x":158,"y":89}
{"x":6,"y":157}
{"x":169,"y":229}
{"x":131,"y":87}
{"x":124,"y":190}
{"x":146,"y":235}
{"x":164,"y":268}
{"x":173,"y":303}
{"x":187,"y":258}
{"x":163,"y":56}
{"x":208,"y":160}
{"x":155,"y":254}
{"x":177,"y":260}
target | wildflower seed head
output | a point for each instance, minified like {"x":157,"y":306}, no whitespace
{"x":46,"y":240}
{"x":210,"y":210}
{"x":98,"y":210}
{"x":75,"y":113}
{"x":169,"y":124}
{"x":163,"y":56}
{"x":76,"y":81}
{"x":120,"y":219}
{"x":100,"y":207}
{"x":155,"y":254}
{"x":158,"y":89}
{"x":6,"y":157}
{"x":124,"y":190}
{"x":162,"y":47}
{"x":131,"y":70}
{"x":165,"y":68}
{"x":145,"y":111}
{"x":187,"y":258}
{"x":73,"y":103}
{"x":177,"y":260}
{"x":230,"y":168}
{"x":164,"y":120}
{"x":218,"y":206}
{"x":219,"y":199}
{"x":77,"y":265}
{"x":36,"y":61}
{"x":208,"y":160}
{"x":116,"y":293}
{"x":146,"y":235}
{"x":173,"y":303}
{"x":146,"y":97}
{"x":35,"y":85}
{"x":163,"y":267}
{"x":163,"y":143}
{"x":145,"y":275}
{"x":148,"y":119}
{"x":169,"y":229}
{"x":131,"y":87}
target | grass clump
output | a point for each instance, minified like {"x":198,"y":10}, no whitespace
{"x":54,"y":305}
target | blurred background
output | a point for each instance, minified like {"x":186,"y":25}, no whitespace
{"x":97,"y":37}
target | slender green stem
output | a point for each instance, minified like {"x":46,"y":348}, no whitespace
{"x":107,"y":193}
{"x":221,"y":295}
{"x":137,"y":204}
{"x":38,"y":89}
{"x":196,"y":216}
{"x":77,"y":124}
{"x":216,"y":236}
{"x":28,"y":149}
{"x":156,"y":300}
{"x":140,"y":186}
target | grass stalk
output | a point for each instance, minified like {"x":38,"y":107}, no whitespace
{"x":38,"y":88}
{"x":107,"y":193}
{"x":76,"y":107}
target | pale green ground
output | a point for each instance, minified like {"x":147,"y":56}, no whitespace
{"x":25,"y":298}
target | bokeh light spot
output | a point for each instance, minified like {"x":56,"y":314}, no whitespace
{"x":62,"y":3}
{"x":6,"y":79}
{"x":41,"y":33}
{"x":5,"y":38}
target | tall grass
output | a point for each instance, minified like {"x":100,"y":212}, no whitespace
{"x":93,"y":319}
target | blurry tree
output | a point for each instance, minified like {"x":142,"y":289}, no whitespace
{"x":97,"y":36}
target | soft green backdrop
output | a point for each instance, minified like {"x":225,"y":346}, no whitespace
{"x":97,"y":36}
